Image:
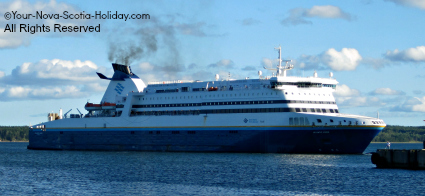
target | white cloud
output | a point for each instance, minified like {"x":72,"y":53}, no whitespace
{"x":346,"y":60}
{"x":414,"y":104}
{"x":298,"y":15}
{"x":348,"y":97}
{"x":56,"y":70}
{"x":327,"y":11}
{"x":345,"y":91}
{"x":359,"y":101}
{"x":17,"y":93}
{"x":414,"y":3}
{"x":410,"y":55}
{"x":51,"y":79}
{"x":386,"y":91}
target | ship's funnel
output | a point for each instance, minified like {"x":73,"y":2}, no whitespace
{"x":122,"y":82}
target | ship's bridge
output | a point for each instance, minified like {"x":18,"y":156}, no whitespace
{"x":303,"y":82}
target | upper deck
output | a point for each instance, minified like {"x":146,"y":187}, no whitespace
{"x":275,"y":82}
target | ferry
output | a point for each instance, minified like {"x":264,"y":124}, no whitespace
{"x":269,"y":114}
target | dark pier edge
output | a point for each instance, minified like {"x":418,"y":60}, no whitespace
{"x":403,"y":159}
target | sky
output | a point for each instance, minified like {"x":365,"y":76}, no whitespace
{"x":374,"y":48}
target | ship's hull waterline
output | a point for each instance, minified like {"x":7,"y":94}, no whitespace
{"x":334,"y":140}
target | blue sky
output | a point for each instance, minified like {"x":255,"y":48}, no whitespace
{"x":375,"y":49}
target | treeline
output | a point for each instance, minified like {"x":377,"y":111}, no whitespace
{"x":13,"y":133}
{"x":401,"y":134}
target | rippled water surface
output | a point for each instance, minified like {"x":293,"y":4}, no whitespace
{"x":24,"y":172}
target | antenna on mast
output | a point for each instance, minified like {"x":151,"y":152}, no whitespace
{"x":281,"y":71}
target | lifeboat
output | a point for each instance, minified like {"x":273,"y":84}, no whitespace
{"x":108,"y":106}
{"x":212,"y":88}
{"x":92,"y":106}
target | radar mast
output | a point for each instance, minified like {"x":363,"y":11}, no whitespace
{"x":281,"y":70}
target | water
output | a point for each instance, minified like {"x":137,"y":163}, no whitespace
{"x":26,"y":172}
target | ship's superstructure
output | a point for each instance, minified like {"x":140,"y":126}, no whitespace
{"x":275,"y":113}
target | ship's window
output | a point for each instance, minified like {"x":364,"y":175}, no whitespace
{"x":312,"y":110}
{"x":306,"y":121}
{"x":331,"y":120}
{"x":301,"y":121}
{"x":304,"y":109}
{"x":345,"y":121}
{"x":297,"y":110}
{"x":319,"y":120}
{"x":324,"y":110}
{"x":336,"y":111}
{"x":364,"y":122}
{"x":291,"y":121}
{"x":296,"y":122}
{"x":286,"y":93}
{"x":331,"y":110}
{"x":340,"y":123}
{"x":317,"y":110}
